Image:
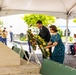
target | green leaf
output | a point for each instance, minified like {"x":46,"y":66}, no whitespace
{"x":31,"y":19}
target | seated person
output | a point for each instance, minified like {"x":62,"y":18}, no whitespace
{"x":73,"y":47}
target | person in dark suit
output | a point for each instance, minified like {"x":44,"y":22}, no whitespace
{"x":43,"y":32}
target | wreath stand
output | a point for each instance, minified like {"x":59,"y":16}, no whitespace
{"x":30,"y":53}
{"x":21,"y":48}
{"x":35,"y":56}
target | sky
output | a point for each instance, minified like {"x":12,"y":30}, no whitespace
{"x":19,"y":26}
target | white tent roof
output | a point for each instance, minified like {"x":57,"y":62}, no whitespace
{"x":58,"y":8}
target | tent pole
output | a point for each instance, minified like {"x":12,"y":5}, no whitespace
{"x":66,"y":44}
{"x":67,"y":18}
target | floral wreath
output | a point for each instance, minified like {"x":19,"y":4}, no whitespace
{"x":38,"y":41}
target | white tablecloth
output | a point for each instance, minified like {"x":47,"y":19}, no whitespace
{"x":67,"y":48}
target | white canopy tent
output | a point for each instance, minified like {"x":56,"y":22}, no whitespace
{"x":60,"y":8}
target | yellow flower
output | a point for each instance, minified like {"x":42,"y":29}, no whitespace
{"x":30,"y":40}
{"x":44,"y":43}
{"x":47,"y":49}
{"x":41,"y":46}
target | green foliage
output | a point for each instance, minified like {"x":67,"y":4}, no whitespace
{"x":60,"y":31}
{"x":74,"y":20}
{"x":1,"y":23}
{"x":31,"y":19}
{"x":70,"y":39}
{"x":23,"y":38}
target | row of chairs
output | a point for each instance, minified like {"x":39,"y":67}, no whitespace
{"x":20,"y":52}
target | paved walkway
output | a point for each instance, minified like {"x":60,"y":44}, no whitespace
{"x":70,"y":60}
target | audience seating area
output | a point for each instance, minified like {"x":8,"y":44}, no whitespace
{"x":20,"y":52}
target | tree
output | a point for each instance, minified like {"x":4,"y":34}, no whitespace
{"x":31,"y":19}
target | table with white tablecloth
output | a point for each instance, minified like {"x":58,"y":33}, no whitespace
{"x":67,"y":48}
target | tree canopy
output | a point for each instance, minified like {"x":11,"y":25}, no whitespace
{"x":31,"y":19}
